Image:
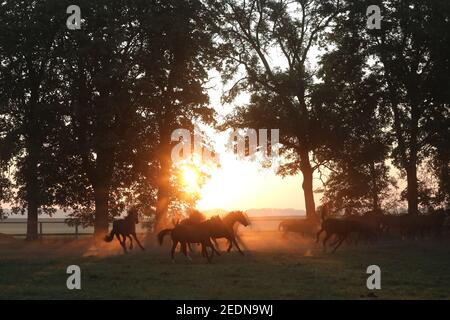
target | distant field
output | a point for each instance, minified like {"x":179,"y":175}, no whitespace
{"x":273,"y":268}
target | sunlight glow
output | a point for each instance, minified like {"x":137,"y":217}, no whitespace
{"x":191,"y":179}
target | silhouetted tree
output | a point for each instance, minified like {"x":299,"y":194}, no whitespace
{"x":30,"y":103}
{"x":109,"y":147}
{"x":349,"y":105}
{"x":179,"y":52}
{"x":410,"y":72}
{"x":271,"y":44}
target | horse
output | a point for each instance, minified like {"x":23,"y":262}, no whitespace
{"x":196,"y":233}
{"x":195,"y":217}
{"x":341,"y":228}
{"x":126,"y":228}
{"x":226,"y":230}
{"x":304,"y":227}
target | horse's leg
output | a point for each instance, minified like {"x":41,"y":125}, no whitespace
{"x":204,"y":251}
{"x":230,"y":245}
{"x":335,"y":241}
{"x":210,"y":244}
{"x":325,"y":241}
{"x":122,"y":242}
{"x":318,"y":235}
{"x":215,"y":242}
{"x":184,"y":250}
{"x":131,"y":242}
{"x":174,"y":247}
{"x":137,"y":240}
{"x":205,"y":246}
{"x":340,"y":242}
{"x":237,"y":245}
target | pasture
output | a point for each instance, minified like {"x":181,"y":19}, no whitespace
{"x":274,"y":267}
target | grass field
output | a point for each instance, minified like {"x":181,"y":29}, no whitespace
{"x":273,"y":268}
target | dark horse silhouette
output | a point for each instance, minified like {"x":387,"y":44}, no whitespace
{"x":195,"y":217}
{"x":126,"y":228}
{"x":196,"y":233}
{"x":227,"y":230}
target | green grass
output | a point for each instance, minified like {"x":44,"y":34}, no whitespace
{"x":409,"y":271}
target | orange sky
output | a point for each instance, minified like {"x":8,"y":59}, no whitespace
{"x":242,"y":185}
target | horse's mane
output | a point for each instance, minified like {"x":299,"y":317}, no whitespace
{"x":196,"y":216}
{"x":235,"y":213}
{"x":215,"y":217}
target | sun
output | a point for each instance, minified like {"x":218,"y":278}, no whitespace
{"x":191,"y":179}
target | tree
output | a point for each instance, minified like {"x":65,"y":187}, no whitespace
{"x":349,"y":105}
{"x":271,"y":44}
{"x":108,"y":146}
{"x":133,"y":79}
{"x":411,"y":72}
{"x":180,"y":36}
{"x":30,"y":103}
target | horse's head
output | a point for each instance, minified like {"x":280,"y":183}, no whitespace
{"x":133,"y":215}
{"x":240,"y":217}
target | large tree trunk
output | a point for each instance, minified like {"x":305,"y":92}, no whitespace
{"x":101,"y":194}
{"x":412,"y":188}
{"x":307,"y":185}
{"x":31,"y":188}
{"x":32,"y":209}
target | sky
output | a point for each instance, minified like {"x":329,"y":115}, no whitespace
{"x":240,"y":184}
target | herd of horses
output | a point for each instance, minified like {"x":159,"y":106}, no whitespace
{"x":370,"y":227}
{"x":195,"y":229}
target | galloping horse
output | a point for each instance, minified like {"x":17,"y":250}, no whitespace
{"x":226,"y":230}
{"x":126,"y":228}
{"x":196,"y":233}
{"x":195,"y":217}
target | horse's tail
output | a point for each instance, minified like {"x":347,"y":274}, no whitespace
{"x":162,"y":234}
{"x":110,"y":237}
